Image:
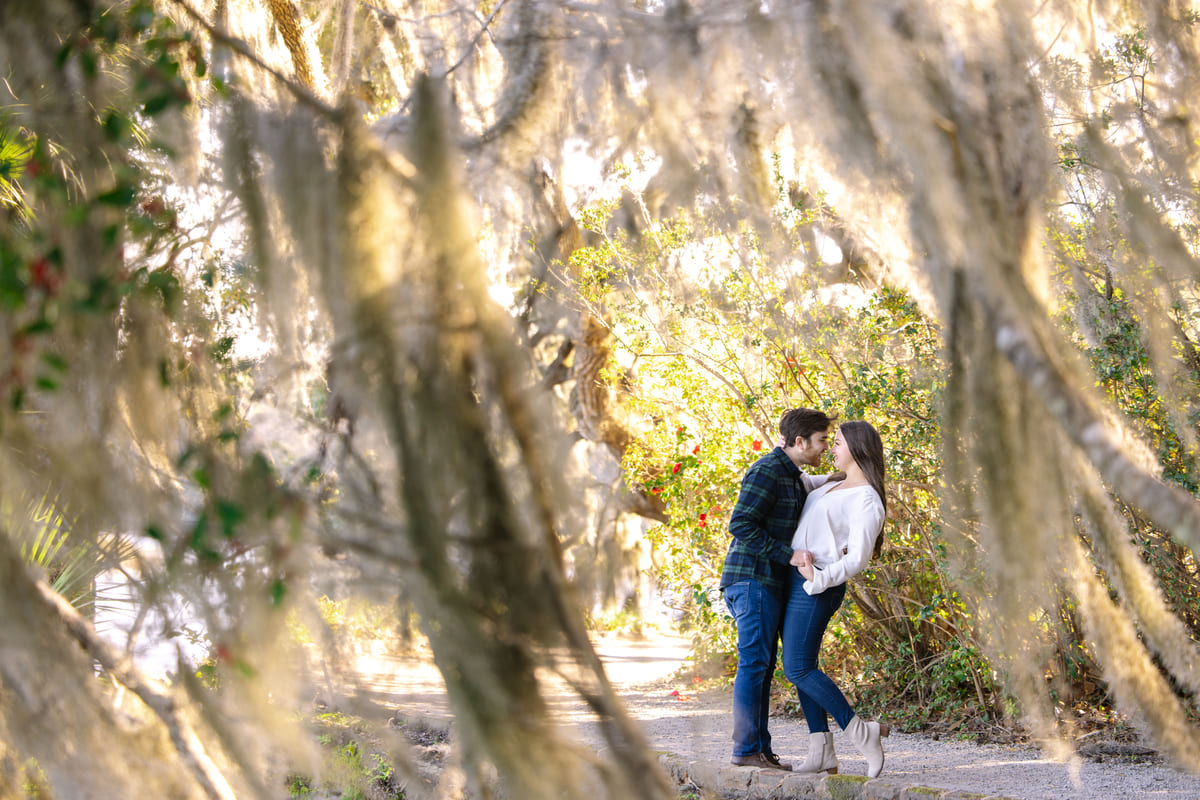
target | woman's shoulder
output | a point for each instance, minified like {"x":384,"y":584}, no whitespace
{"x":862,"y":497}
{"x":869,"y":502}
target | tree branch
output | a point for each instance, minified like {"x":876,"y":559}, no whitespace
{"x":160,"y":702}
{"x":1169,"y":506}
{"x":475,"y":41}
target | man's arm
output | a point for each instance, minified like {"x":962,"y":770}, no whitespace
{"x":756,"y":500}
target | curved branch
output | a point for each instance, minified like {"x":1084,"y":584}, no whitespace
{"x":1170,"y":507}
{"x":287,"y":21}
{"x":475,"y":41}
{"x":299,"y":92}
{"x":527,"y":80}
{"x":160,"y":702}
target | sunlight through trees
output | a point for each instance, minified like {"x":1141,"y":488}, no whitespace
{"x":479,"y":311}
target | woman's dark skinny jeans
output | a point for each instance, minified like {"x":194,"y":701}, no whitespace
{"x":804,"y":621}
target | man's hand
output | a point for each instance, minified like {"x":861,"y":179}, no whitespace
{"x":802,"y":560}
{"x":836,"y":476}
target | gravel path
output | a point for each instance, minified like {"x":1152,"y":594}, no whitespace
{"x":696,"y":726}
{"x":698,"y":729}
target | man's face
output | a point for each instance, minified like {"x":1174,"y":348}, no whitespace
{"x":808,"y":452}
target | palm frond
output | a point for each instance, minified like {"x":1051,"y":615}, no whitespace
{"x":47,"y":539}
{"x":15,"y":151}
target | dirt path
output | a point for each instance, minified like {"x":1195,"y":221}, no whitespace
{"x":696,"y":726}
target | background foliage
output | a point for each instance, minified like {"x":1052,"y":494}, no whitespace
{"x":443,"y":308}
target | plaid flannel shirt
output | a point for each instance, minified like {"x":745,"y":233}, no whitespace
{"x":763,"y":522}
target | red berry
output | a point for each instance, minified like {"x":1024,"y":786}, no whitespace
{"x":153,"y":206}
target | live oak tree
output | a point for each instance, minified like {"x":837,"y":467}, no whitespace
{"x":357,"y":176}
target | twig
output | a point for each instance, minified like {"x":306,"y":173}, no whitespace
{"x":394,"y":161}
{"x":239,"y":46}
{"x":471,"y":47}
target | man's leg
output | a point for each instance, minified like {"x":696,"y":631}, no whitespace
{"x":756,"y":613}
{"x":764,"y":708}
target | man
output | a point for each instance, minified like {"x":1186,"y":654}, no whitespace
{"x":755,"y":578}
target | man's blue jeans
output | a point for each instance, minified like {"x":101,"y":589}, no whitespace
{"x":804,"y":621}
{"x":757,"y":614}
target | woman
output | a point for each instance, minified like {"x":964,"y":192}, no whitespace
{"x":840,"y":527}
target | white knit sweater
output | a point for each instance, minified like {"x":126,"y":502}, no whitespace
{"x":839,"y":526}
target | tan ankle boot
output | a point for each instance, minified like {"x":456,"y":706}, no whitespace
{"x":866,"y":736}
{"x":821,"y":757}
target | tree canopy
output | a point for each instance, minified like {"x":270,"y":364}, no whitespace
{"x":342,"y":298}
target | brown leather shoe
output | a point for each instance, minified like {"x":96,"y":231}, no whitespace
{"x":761,"y":760}
{"x":774,"y":759}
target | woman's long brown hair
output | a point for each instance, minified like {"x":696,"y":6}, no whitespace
{"x":866,"y":448}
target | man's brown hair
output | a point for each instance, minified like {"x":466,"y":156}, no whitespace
{"x":803,"y":422}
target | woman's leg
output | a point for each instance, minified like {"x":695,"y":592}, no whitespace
{"x":804,"y":622}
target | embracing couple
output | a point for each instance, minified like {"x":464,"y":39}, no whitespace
{"x":797,"y":539}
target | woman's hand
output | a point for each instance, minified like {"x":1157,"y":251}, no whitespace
{"x":802,"y":560}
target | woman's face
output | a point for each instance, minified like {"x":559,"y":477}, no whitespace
{"x":841,"y":452}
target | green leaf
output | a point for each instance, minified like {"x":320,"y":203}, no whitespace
{"x":55,"y":361}
{"x":157,"y":104}
{"x":278,"y":592}
{"x":122,"y":195}
{"x":39,"y":325}
{"x":166,"y":285}
{"x":231,"y":515}
{"x":64,"y":54}
{"x":87,"y":61}
{"x":200,"y":476}
{"x":199,"y":539}
{"x":116,"y":126}
{"x":141,"y":17}
{"x":220,"y":350}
